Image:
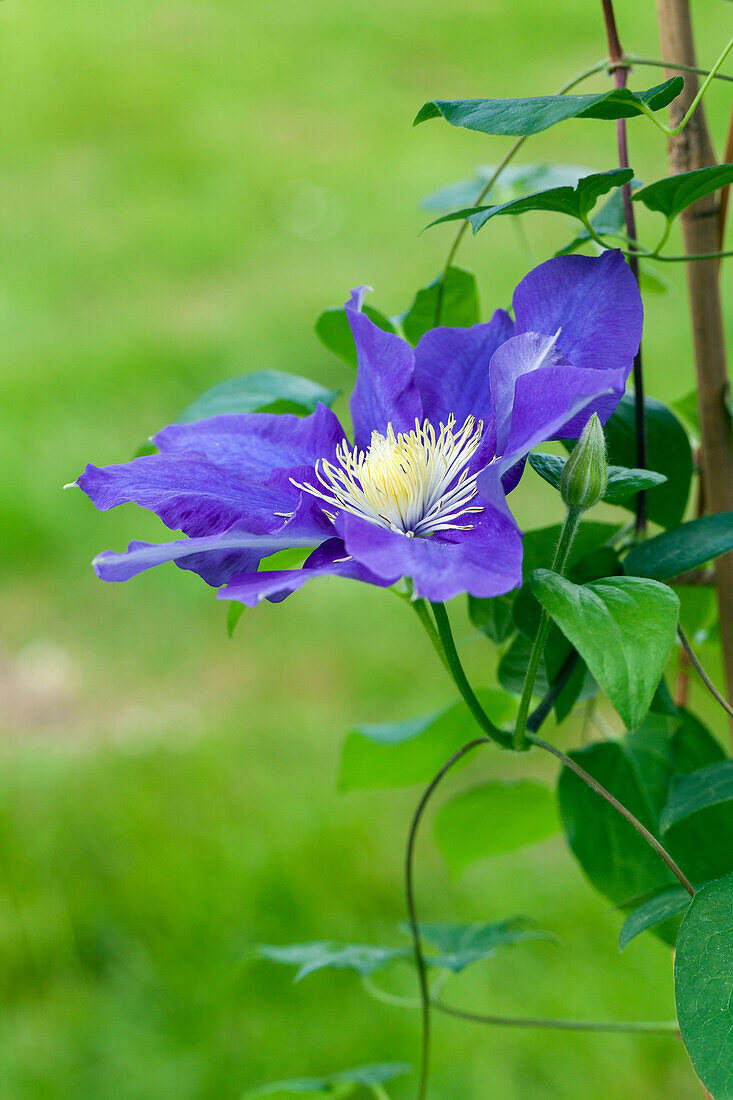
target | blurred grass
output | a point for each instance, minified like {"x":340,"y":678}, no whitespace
{"x":184,"y":186}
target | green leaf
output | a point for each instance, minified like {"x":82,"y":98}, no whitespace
{"x":668,"y":452}
{"x":398,"y":754}
{"x":333,"y":330}
{"x":622,"y":482}
{"x":703,"y":973}
{"x":623,"y":628}
{"x":610,"y":219}
{"x":494,"y":818}
{"x":673,"y":194}
{"x":659,"y":908}
{"x":514,"y":181}
{"x":577,"y":202}
{"x":337,"y":1084}
{"x":270,"y":390}
{"x":459,"y":306}
{"x":686,"y":547}
{"x":636,"y":770}
{"x":707,"y":787}
{"x":493,"y":617}
{"x":639,"y":769}
{"x":517,"y":117}
{"x":688,"y":409}
{"x":513,"y":669}
{"x":234,"y":614}
{"x":364,"y":959}
{"x":459,"y":945}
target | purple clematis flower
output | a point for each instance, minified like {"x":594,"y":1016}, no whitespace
{"x":440,"y":436}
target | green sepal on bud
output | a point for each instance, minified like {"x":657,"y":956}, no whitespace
{"x":585,"y":474}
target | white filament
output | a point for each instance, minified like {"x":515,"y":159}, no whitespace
{"x":416,"y":482}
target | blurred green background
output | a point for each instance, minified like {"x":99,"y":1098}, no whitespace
{"x":185,"y":184}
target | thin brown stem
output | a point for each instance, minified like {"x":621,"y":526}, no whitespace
{"x":587,"y":778}
{"x":620,"y":77}
{"x":694,"y":661}
{"x":701,"y":231}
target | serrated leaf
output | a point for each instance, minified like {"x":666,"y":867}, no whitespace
{"x":622,"y":482}
{"x":668,"y":452}
{"x":336,"y":1084}
{"x":333,"y":330}
{"x":659,"y":908}
{"x":623,"y":628}
{"x":517,"y":117}
{"x":459,"y":945}
{"x":459,"y":306}
{"x":270,"y":390}
{"x":398,"y":754}
{"x":701,"y":789}
{"x":703,"y":973}
{"x":364,"y":959}
{"x":494,"y":818}
{"x":576,"y":202}
{"x":685,"y":547}
{"x":673,"y":194}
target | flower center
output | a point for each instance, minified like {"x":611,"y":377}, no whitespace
{"x":416,"y":482}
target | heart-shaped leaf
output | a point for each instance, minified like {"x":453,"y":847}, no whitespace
{"x":333,"y":330}
{"x":364,"y":959}
{"x":517,"y":117}
{"x":623,"y":628}
{"x":576,"y":202}
{"x":336,"y":1085}
{"x":707,"y":787}
{"x":659,"y":908}
{"x":397,"y":754}
{"x":668,"y":452}
{"x":265,"y":390}
{"x":683,"y":548}
{"x":673,"y":194}
{"x":494,"y":818}
{"x":459,"y":307}
{"x":703,"y":976}
{"x":459,"y":945}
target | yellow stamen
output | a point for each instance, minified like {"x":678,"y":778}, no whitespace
{"x":416,"y":482}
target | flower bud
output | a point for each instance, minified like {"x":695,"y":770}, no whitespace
{"x":585,"y":474}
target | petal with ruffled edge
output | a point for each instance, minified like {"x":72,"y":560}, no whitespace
{"x":216,"y":558}
{"x":385,"y":390}
{"x":485,"y":561}
{"x":189,"y":492}
{"x":452,"y":368}
{"x":253,"y":445}
{"x":595,"y":304}
{"x":329,"y":559}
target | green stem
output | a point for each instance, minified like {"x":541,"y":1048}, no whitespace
{"x":379,"y":1092}
{"x":423,"y":614}
{"x":453,"y":663}
{"x":594,"y":785}
{"x":666,"y":1026}
{"x":569,"y":527}
{"x":421,"y":965}
{"x":597,"y":68}
{"x":673,"y":131}
{"x":630,"y":59}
